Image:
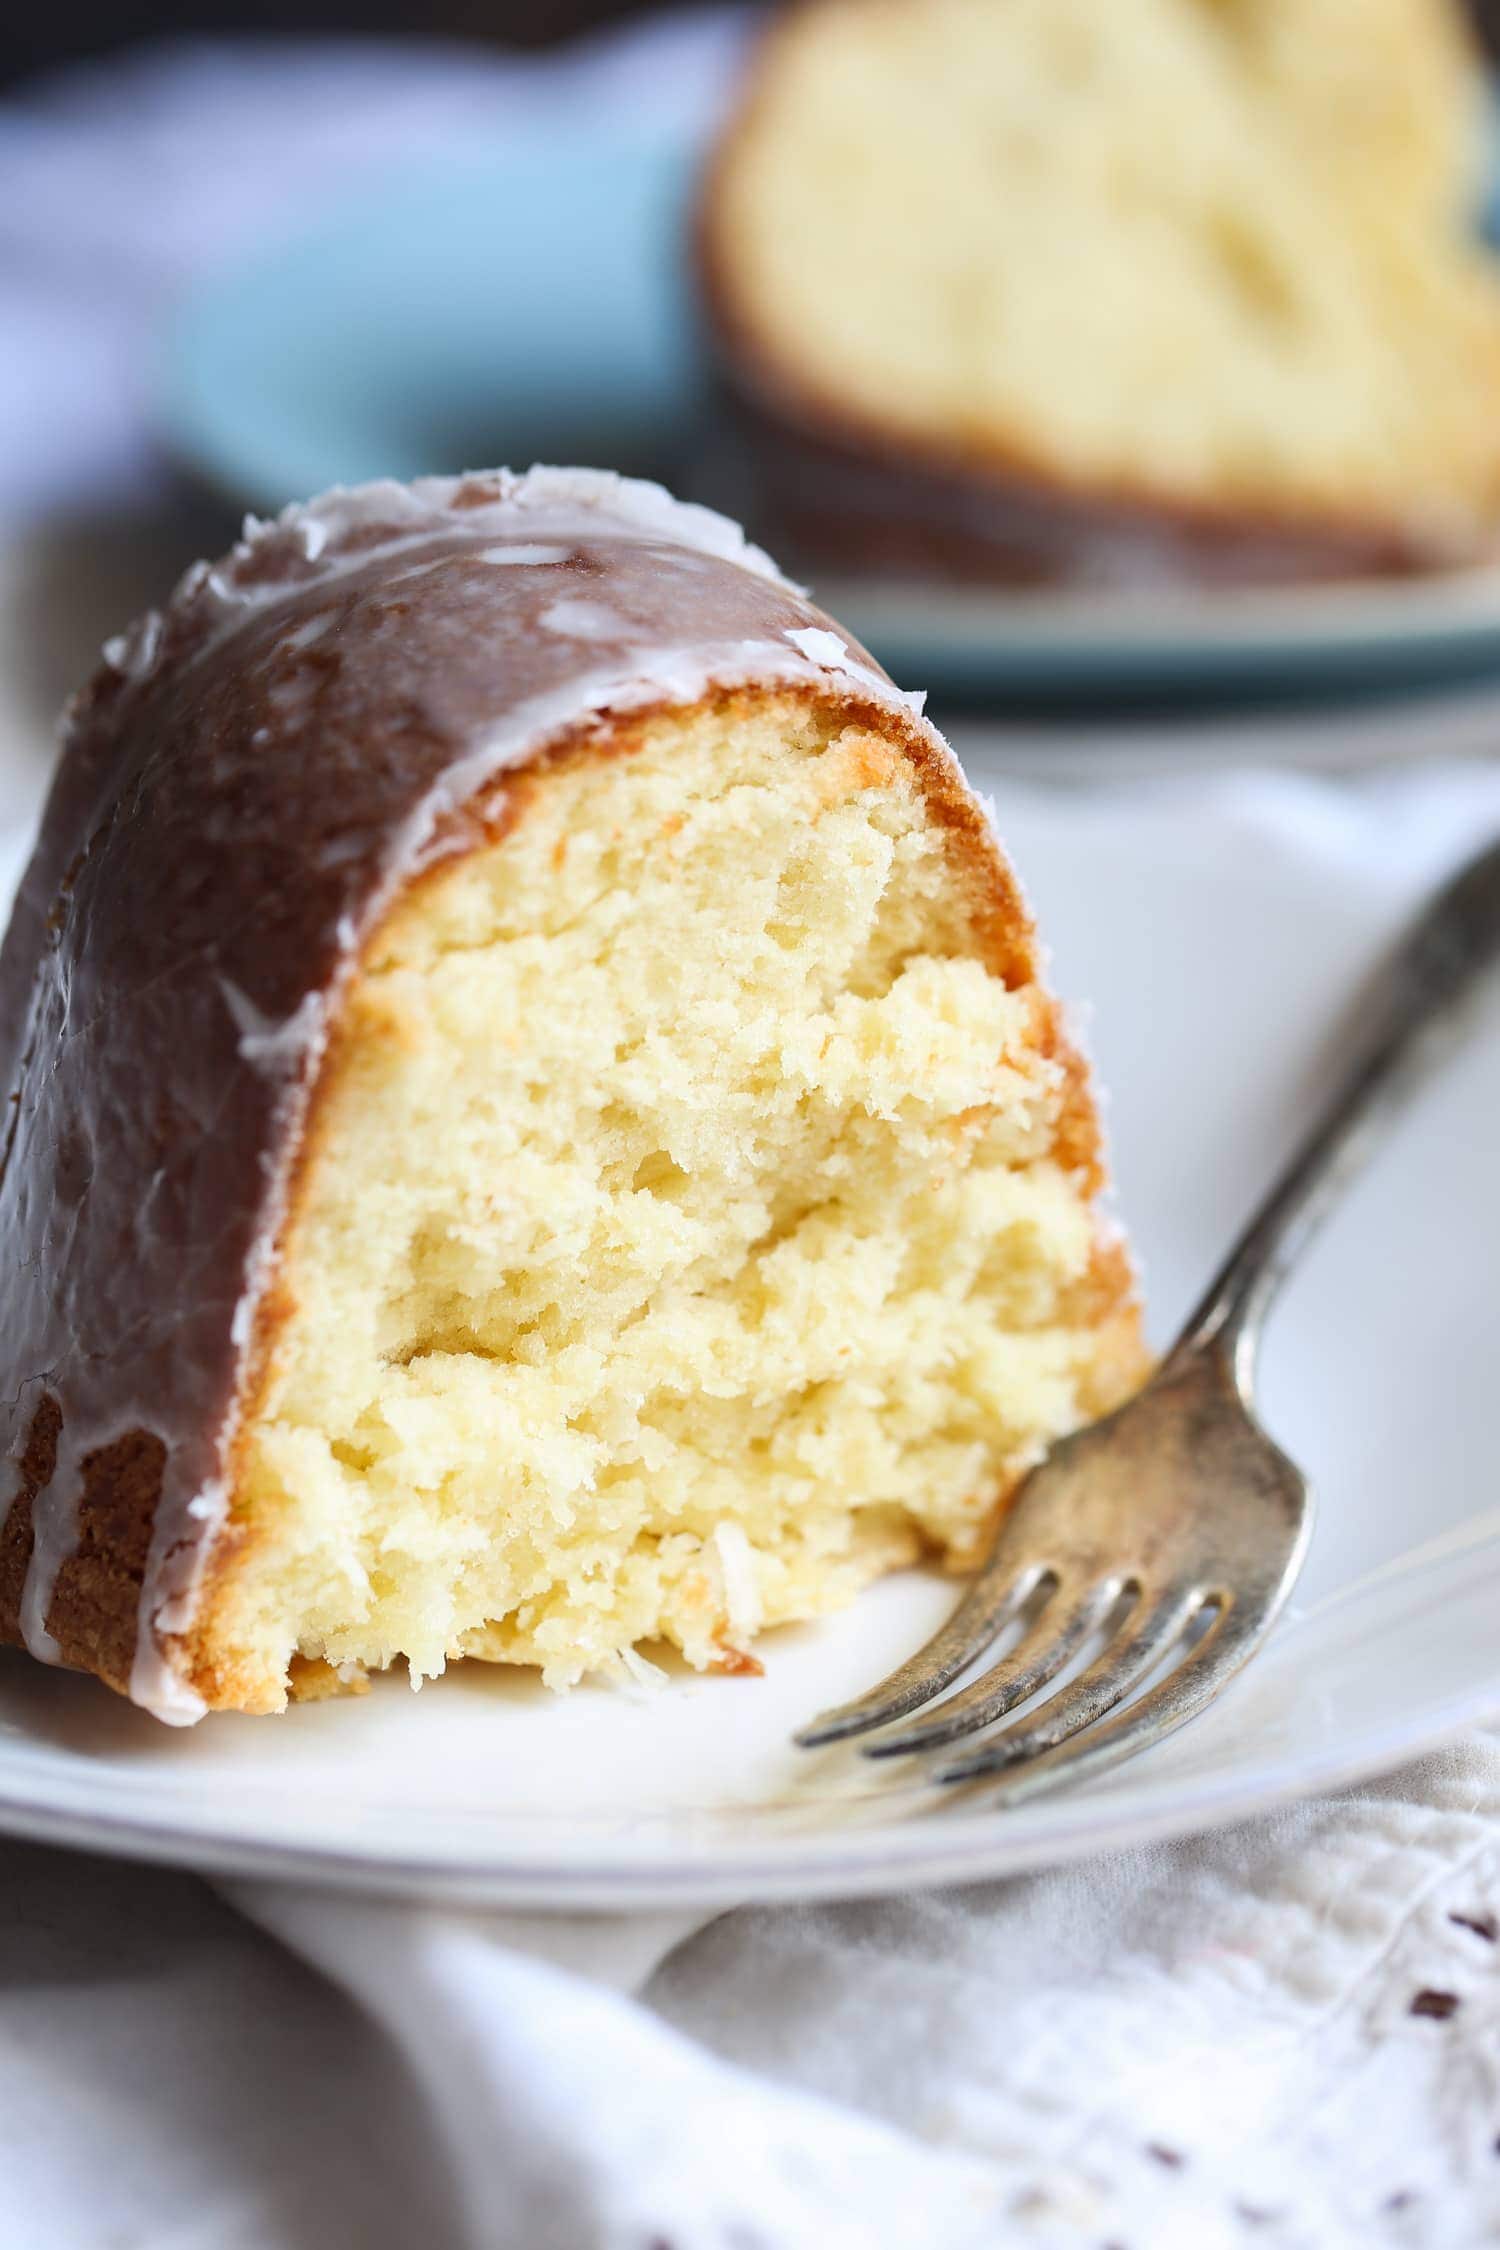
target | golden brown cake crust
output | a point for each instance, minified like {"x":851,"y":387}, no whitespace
{"x":249,"y":786}
{"x":835,"y":490}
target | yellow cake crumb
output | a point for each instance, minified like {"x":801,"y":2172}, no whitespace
{"x":683,"y":1240}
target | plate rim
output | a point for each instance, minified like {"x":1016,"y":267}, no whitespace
{"x":882,"y":1860}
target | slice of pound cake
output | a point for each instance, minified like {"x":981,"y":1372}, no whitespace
{"x":534,"y":1123}
{"x":1113,"y":290}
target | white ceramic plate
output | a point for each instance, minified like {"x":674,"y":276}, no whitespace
{"x":1221,"y":928}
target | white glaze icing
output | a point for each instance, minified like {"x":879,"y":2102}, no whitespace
{"x":582,"y":620}
{"x":520,"y":555}
{"x":307,"y":635}
{"x":133,"y":653}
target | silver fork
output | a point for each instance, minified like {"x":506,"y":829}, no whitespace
{"x":1167,"y":1537}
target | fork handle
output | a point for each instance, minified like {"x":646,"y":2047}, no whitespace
{"x":1436,"y":969}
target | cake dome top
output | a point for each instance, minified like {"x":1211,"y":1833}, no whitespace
{"x":250,"y":782}
{"x":315,"y":540}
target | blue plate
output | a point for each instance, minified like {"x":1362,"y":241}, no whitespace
{"x":534,"y":303}
{"x":523,"y":305}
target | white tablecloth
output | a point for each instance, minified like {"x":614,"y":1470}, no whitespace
{"x":1285,"y":2035}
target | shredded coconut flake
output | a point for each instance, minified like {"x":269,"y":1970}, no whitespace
{"x":742,"y":1602}
{"x":819,"y":646}
{"x":641,"y":1672}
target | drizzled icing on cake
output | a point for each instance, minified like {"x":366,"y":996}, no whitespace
{"x":250,"y":781}
{"x":350,"y":526}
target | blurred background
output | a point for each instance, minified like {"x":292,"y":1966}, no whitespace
{"x":248,"y":250}
{"x":71,"y":30}
{"x":154,"y":155}
{"x":35,"y":39}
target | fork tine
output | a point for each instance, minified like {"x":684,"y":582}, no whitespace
{"x":991,"y":1602}
{"x":1108,"y":1679}
{"x":1037,"y":1658}
{"x":1229,"y":1642}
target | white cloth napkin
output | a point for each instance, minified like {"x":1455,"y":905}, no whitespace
{"x":1286,"y":2035}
